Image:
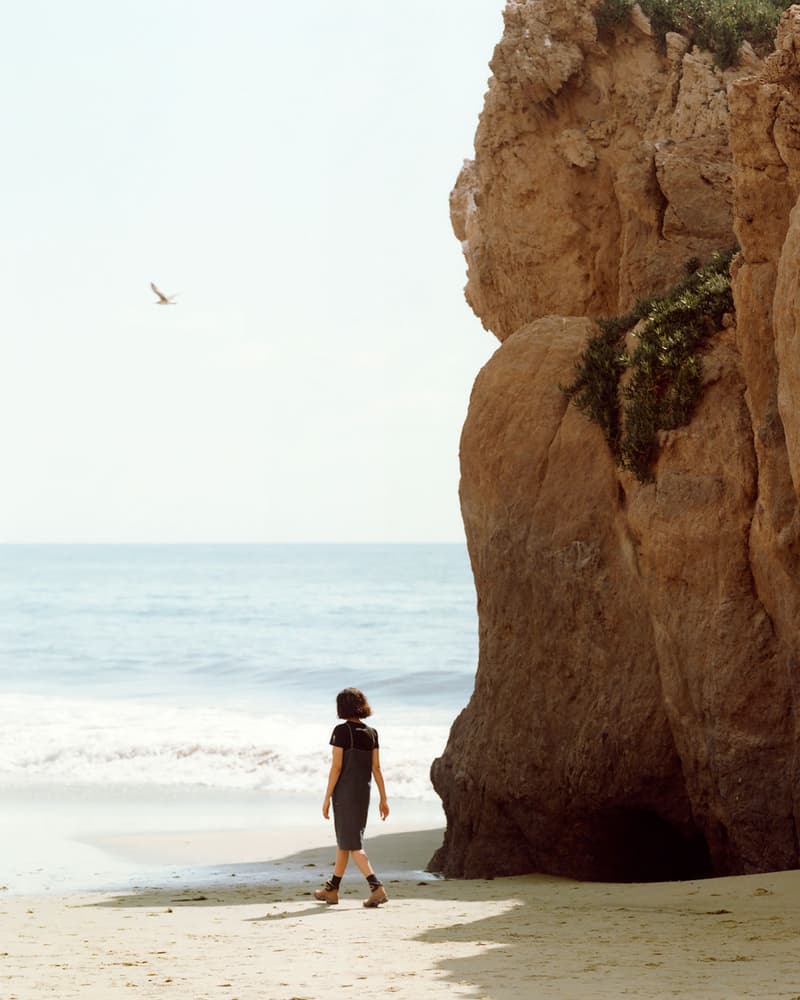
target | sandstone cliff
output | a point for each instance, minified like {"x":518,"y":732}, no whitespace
{"x":634,"y":713}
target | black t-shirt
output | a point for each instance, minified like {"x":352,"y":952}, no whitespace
{"x":355,"y":735}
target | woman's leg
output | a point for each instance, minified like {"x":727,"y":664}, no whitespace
{"x":329,"y":893}
{"x":377,"y":893}
{"x":361,"y":860}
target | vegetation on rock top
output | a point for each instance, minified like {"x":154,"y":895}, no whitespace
{"x":720,"y":26}
{"x":665,"y":380}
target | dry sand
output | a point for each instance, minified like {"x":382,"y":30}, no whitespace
{"x":253,"y":932}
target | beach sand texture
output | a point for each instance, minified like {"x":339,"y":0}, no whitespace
{"x":247,"y":936}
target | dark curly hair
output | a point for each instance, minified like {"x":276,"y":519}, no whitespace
{"x":352,"y":704}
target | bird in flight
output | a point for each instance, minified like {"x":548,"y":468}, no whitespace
{"x":163,"y":300}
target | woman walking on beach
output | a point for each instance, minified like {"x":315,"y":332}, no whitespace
{"x":356,"y":759}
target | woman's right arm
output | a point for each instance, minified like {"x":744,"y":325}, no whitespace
{"x":333,"y":777}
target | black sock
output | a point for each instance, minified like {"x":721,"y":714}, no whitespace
{"x":335,"y":881}
{"x":374,"y":881}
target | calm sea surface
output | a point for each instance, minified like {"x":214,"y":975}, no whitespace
{"x":217,"y":666}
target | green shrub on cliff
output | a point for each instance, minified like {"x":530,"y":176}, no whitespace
{"x":665,"y":380}
{"x":717,"y":25}
{"x":612,"y":12}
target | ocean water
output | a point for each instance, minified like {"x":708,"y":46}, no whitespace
{"x":201,"y":675}
{"x":218,"y":665}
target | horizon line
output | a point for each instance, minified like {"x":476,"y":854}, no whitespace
{"x":5,"y":544}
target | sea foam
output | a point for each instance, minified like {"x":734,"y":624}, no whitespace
{"x":98,"y":742}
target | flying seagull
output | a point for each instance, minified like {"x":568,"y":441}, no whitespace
{"x":163,"y":300}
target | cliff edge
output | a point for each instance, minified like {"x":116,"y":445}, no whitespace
{"x":634,"y":713}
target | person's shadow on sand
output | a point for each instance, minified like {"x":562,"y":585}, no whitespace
{"x":287,"y":914}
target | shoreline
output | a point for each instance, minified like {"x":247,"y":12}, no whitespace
{"x":67,"y":840}
{"x":254,"y":930}
{"x":289,"y":857}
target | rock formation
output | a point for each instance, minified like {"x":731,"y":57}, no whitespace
{"x":636,"y":711}
{"x":600,"y":167}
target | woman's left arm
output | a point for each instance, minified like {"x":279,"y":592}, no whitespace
{"x":333,"y":777}
{"x":383,"y":807}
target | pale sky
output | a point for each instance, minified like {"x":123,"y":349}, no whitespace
{"x":285,"y":167}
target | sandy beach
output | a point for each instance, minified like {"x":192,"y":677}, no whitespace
{"x":248,"y":928}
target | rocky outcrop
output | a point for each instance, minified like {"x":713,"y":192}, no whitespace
{"x":635,"y":712}
{"x":600,"y":166}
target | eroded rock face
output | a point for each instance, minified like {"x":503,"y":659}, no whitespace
{"x":635,"y":712}
{"x":600,"y":167}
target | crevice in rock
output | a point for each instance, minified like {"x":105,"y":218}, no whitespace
{"x":663,"y":203}
{"x":638,"y":845}
{"x":794,"y":667}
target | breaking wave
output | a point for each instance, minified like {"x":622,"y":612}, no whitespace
{"x":97,"y":742}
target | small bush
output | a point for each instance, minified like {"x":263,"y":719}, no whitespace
{"x":720,"y":26}
{"x":597,"y":376}
{"x":665,"y":369}
{"x":611,"y":12}
{"x":667,"y":15}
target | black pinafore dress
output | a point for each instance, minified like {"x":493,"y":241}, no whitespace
{"x":351,"y":796}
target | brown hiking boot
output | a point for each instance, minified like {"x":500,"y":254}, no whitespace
{"x":327,"y":894}
{"x":377,"y":896}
